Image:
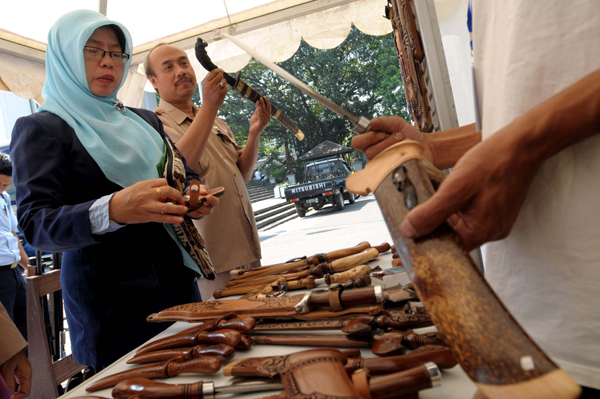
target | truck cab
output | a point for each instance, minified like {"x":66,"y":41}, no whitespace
{"x":325,"y":184}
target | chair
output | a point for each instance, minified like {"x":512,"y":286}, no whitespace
{"x":47,"y":374}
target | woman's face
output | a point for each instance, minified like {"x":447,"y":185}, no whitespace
{"x":103,"y":71}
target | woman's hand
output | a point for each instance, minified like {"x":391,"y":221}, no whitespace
{"x":261,"y":117}
{"x":147,"y":201}
{"x":207,"y":207}
{"x":387,"y":131}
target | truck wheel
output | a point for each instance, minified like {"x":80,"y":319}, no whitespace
{"x":351,"y":199}
{"x":339,"y":201}
{"x":301,"y":211}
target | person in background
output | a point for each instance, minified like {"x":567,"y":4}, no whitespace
{"x":89,"y":183}
{"x":527,"y":183}
{"x":15,"y":370}
{"x":12,"y":255}
{"x":209,"y":147}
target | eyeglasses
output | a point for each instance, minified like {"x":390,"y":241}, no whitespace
{"x":95,"y":53}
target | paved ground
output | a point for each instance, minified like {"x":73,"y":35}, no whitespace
{"x":324,"y":231}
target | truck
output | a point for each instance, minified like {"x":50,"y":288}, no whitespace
{"x":325,"y":183}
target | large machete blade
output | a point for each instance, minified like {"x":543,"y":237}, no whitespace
{"x":492,"y":348}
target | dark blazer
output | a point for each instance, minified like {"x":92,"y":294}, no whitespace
{"x":111,"y":282}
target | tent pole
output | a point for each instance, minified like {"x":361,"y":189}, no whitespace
{"x":102,"y":4}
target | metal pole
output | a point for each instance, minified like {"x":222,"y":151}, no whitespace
{"x":102,"y":6}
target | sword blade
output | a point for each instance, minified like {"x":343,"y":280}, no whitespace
{"x":249,"y":387}
{"x":361,"y":123}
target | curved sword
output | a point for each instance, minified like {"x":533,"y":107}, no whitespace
{"x":244,"y":89}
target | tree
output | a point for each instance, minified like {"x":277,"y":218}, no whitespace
{"x":361,"y":75}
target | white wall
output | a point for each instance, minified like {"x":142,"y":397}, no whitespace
{"x":12,"y":107}
{"x":452,"y":18}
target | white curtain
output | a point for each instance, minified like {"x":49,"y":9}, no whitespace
{"x":324,"y":30}
{"x":23,"y":77}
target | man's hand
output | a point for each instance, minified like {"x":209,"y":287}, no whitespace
{"x":214,"y":90}
{"x":481,"y":197}
{"x":261,"y":117}
{"x":145,"y":202}
{"x":387,"y":131}
{"x":16,"y":372}
{"x":208,"y":205}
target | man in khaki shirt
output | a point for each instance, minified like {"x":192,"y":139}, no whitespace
{"x":15,"y":369}
{"x":210,"y":149}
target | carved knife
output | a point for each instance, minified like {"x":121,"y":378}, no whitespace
{"x":276,"y":307}
{"x":310,"y":261}
{"x":492,"y":348}
{"x":389,"y":319}
{"x":169,"y":368}
{"x":149,"y":389}
{"x":220,"y":351}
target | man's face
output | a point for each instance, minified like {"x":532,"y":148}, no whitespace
{"x":5,"y":181}
{"x":175,"y":79}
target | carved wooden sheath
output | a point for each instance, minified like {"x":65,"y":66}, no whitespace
{"x":271,"y":307}
{"x":492,"y":348}
{"x":399,"y":321}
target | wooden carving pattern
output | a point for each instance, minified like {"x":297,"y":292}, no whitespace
{"x":410,"y":56}
{"x":292,"y":386}
{"x":301,"y":325}
{"x":264,"y":307}
{"x":483,"y":336}
{"x":270,"y":366}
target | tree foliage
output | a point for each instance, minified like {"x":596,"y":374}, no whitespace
{"x":361,"y":75}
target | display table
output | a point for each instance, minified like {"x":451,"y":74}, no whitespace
{"x":455,"y":383}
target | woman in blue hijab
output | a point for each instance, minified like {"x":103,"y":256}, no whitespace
{"x":88,"y":176}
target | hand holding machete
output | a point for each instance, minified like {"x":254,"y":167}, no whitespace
{"x":491,"y":347}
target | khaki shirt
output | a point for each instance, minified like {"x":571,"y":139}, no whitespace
{"x":12,"y":341}
{"x":229,"y":232}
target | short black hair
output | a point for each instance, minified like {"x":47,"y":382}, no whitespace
{"x":5,"y":165}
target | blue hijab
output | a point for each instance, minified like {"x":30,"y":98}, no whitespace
{"x":124,"y":146}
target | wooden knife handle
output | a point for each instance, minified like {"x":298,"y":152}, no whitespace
{"x":339,"y":265}
{"x":383,"y":247}
{"x":348,"y":298}
{"x":351,"y":274}
{"x":402,"y":321}
{"x":156,"y":390}
{"x":241,"y":324}
{"x":201,"y":365}
{"x":337,"y":254}
{"x":400,"y":383}
{"x":414,"y":341}
{"x":245,"y":343}
{"x":442,"y":356}
{"x":184,"y":338}
{"x":227,"y":337}
{"x":195,"y":200}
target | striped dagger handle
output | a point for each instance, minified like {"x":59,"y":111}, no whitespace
{"x":244,"y":89}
